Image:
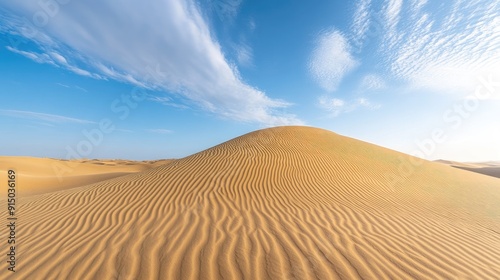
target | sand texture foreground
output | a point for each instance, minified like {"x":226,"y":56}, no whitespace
{"x":280,"y":203}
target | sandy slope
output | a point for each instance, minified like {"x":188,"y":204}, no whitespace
{"x":281,"y":203}
{"x":42,"y":175}
{"x":486,"y":168}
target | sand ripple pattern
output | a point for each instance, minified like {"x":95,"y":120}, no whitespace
{"x":280,"y":203}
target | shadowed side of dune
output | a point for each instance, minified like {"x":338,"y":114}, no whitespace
{"x":490,"y":171}
{"x":280,"y":203}
{"x":491,"y":168}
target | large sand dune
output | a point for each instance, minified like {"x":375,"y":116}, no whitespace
{"x":280,"y":203}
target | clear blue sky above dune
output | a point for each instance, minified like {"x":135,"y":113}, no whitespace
{"x":161,"y":79}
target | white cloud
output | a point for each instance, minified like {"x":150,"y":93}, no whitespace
{"x":37,"y":57}
{"x":79,"y":71}
{"x":364,"y":102}
{"x":165,"y":100}
{"x":335,"y":106}
{"x":59,"y":58}
{"x":445,"y":53}
{"x":417,"y":5}
{"x":43,"y":117}
{"x":82,"y":89}
{"x":133,"y":42}
{"x":361,"y":21}
{"x":55,"y":59}
{"x":392,"y":12}
{"x":372,"y":82}
{"x":226,"y":9}
{"x":331,"y":60}
{"x":392,"y":17}
{"x":244,"y":54}
{"x":70,"y":87}
{"x":442,"y":49}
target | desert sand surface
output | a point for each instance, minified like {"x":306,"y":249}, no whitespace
{"x":279,"y":203}
{"x":491,"y":168}
{"x":42,"y":175}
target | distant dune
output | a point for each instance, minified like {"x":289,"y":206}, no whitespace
{"x":486,"y":168}
{"x":279,"y":203}
{"x":42,"y":175}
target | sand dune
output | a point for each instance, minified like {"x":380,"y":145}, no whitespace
{"x":280,"y":203}
{"x":490,"y":171}
{"x":42,"y":175}
{"x":486,"y":168}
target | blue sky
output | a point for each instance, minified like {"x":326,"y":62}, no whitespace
{"x":167,"y":78}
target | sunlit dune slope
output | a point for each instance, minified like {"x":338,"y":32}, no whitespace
{"x":42,"y":175}
{"x":279,"y":203}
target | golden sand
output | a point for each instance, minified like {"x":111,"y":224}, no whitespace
{"x":279,"y":203}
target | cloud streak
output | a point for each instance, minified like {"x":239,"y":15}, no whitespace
{"x":171,"y":49}
{"x":37,"y":57}
{"x":43,"y":117}
{"x":361,"y":21}
{"x":392,"y":16}
{"x":167,"y":101}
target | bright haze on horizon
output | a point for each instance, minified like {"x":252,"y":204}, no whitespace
{"x":164,"y":79}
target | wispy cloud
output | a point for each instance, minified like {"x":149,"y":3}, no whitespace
{"x":37,"y":57}
{"x":252,"y":25}
{"x":226,"y":10}
{"x":372,"y":82}
{"x":361,"y":21}
{"x":179,"y":52}
{"x":82,"y":89}
{"x":168,"y":101}
{"x":160,"y":131}
{"x":336,"y":106}
{"x":331,"y":59}
{"x":441,"y":49}
{"x":68,"y":86}
{"x":417,"y":5}
{"x":55,"y":59}
{"x":332,"y":105}
{"x":63,"y":85}
{"x":43,"y":117}
{"x":392,"y":16}
{"x":244,"y":54}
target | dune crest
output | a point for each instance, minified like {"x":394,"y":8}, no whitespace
{"x":279,"y":203}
